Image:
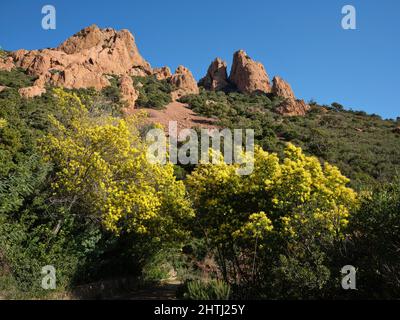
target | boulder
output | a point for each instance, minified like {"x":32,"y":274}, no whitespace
{"x":292,"y":107}
{"x":248,"y":75}
{"x":30,"y":92}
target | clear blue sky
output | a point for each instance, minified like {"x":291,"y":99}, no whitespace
{"x":302,"y":41}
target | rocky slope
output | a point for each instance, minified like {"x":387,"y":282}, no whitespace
{"x":248,"y":76}
{"x":88,"y":58}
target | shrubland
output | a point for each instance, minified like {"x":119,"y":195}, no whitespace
{"x":77,"y":192}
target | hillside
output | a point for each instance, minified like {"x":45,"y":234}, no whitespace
{"x":78,"y":192}
{"x":365,"y":147}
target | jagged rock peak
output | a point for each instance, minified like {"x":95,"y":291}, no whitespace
{"x":248,"y":75}
{"x":216,"y":77}
{"x":85,"y":59}
{"x":103,"y":39}
{"x":281,"y":88}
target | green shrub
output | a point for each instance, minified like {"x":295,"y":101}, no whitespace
{"x":363,"y":146}
{"x":3,"y":53}
{"x":153,"y":93}
{"x":16,"y":78}
{"x":211,"y":290}
{"x":374,"y":243}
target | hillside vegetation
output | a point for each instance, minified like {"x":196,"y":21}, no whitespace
{"x":77,"y":192}
{"x":365,"y":147}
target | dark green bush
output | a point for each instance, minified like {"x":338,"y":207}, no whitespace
{"x":153,"y":93}
{"x":374,"y":243}
{"x":16,"y":78}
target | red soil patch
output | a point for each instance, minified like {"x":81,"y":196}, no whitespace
{"x":179,"y":112}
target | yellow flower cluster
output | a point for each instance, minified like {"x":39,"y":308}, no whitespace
{"x":101,"y":163}
{"x":288,"y":195}
{"x":3,"y":123}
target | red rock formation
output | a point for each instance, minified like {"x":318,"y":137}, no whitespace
{"x":184,"y":82}
{"x":248,"y":75}
{"x":85,"y":59}
{"x":162,"y":73}
{"x":290,"y":106}
{"x":293,"y":108}
{"x":128,"y":92}
{"x":216,"y":77}
{"x":30,"y":92}
{"x":281,"y":88}
{"x":6,"y":64}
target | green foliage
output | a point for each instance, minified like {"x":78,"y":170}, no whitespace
{"x":211,"y":290}
{"x":107,"y":101}
{"x":102,"y":171}
{"x":276,"y":220}
{"x":153,"y":93}
{"x":3,"y":53}
{"x":363,"y":146}
{"x":167,"y":263}
{"x":36,"y":229}
{"x":77,"y":192}
{"x":374,"y":243}
{"x":16,"y":78}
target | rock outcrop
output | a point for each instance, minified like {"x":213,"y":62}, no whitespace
{"x":293,"y":108}
{"x":216,"y":77}
{"x":85,"y":59}
{"x":184,"y":83}
{"x":6,"y":64}
{"x":30,"y":92}
{"x":129,"y":94}
{"x":290,"y":106}
{"x":248,"y":75}
{"x":162,"y":73}
{"x":281,"y":88}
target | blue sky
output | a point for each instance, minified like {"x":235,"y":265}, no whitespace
{"x":302,"y":41}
